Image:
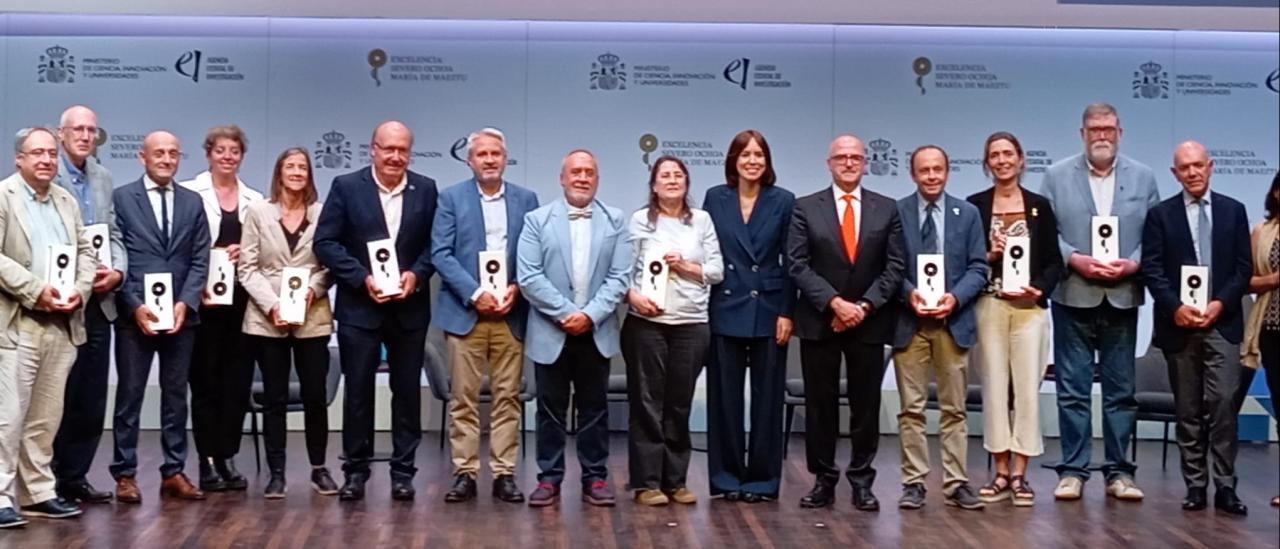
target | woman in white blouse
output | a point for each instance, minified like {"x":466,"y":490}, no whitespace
{"x":665,"y":336}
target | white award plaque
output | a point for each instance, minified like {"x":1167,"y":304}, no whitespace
{"x":384,"y":266}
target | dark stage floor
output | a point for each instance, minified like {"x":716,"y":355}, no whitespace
{"x":304,"y":519}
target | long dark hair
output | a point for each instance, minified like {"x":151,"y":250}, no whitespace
{"x":736,"y":146}
{"x":310,"y":195}
{"x":1272,"y":204}
{"x":686,"y":210}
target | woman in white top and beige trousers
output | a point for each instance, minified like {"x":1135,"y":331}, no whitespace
{"x":665,"y":347}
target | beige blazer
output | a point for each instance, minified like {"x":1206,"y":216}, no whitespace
{"x":19,"y":287}
{"x":264,"y":253}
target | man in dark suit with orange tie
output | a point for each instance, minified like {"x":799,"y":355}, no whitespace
{"x":846,"y":251}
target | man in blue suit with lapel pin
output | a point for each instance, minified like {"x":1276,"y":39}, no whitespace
{"x":937,"y":336}
{"x":574,"y":266}
{"x":385,"y":200}
{"x":483,"y":329}
{"x":1199,"y":227}
{"x":163,"y":226}
{"x":1095,"y":308}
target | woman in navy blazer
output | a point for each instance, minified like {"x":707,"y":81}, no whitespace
{"x":750,"y":319}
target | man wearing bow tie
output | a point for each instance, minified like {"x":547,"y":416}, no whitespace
{"x":385,"y":200}
{"x":573,"y":266}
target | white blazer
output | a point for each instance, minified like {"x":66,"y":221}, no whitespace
{"x":203,"y":186}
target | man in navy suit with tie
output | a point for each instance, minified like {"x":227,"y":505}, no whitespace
{"x":1199,"y":227}
{"x":163,"y":226}
{"x":383,"y":201}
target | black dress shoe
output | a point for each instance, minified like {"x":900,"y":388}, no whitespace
{"x":733,"y":496}
{"x":750,"y":497}
{"x":864,"y":499}
{"x":505,"y":489}
{"x":9,"y":518}
{"x":1225,"y":499}
{"x":821,"y":495}
{"x":464,"y":489}
{"x":353,"y":488}
{"x":210,"y":479}
{"x":83,"y":492}
{"x":233,"y":479}
{"x":1196,"y":500}
{"x":53,"y":508}
{"x":402,"y":490}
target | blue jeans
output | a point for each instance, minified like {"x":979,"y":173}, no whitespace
{"x":1077,"y":334}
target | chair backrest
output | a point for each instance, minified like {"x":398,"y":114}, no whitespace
{"x":437,"y":369}
{"x":1151,"y":372}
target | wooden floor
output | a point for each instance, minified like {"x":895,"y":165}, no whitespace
{"x":304,"y":519}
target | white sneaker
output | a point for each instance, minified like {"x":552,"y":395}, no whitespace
{"x":1069,"y":488}
{"x":1123,"y":488}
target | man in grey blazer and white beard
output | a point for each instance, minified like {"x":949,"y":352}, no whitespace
{"x":86,"y":396}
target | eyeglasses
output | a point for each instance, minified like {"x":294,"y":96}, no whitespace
{"x":41,"y":153}
{"x":81,"y":130}
{"x":855,"y":159}
{"x":1104,"y":131}
{"x":403,"y":151}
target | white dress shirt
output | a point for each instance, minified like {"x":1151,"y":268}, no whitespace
{"x":153,"y":194}
{"x":1103,"y":189}
{"x":580,"y":248}
{"x":494,"y":209}
{"x":687,"y":300}
{"x":392,"y":203}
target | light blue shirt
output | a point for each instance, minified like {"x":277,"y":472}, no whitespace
{"x":939,"y":217}
{"x":80,"y":189}
{"x":46,"y":229}
{"x":1193,"y":216}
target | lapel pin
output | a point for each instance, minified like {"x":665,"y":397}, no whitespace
{"x":955,"y":211}
{"x":1035,"y":212}
{"x":411,"y":187}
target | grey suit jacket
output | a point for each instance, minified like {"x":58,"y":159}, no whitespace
{"x":264,"y":253}
{"x":1066,"y":185}
{"x":101,"y":186}
{"x":19,"y":287}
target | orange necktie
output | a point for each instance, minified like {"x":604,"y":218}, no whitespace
{"x":849,"y":228}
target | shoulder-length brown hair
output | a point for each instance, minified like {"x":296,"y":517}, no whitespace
{"x":736,"y":146}
{"x":686,"y":210}
{"x":310,"y":196}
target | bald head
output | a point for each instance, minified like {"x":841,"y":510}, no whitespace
{"x":846,"y":158}
{"x":160,"y":154}
{"x":1192,"y":167}
{"x":78,"y":131}
{"x":390,"y":151}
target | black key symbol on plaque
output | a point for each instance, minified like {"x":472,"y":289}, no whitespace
{"x":382,"y":255}
{"x":1194,"y":282}
{"x":1016,"y":253}
{"x":930,"y":271}
{"x":1105,"y":232}
{"x":158,"y":290}
{"x":491,"y":267}
{"x":655,"y":269}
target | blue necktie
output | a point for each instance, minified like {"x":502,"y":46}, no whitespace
{"x":1205,"y":234}
{"x":929,"y":233}
{"x":164,"y":214}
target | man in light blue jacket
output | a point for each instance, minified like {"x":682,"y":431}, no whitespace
{"x":573,"y":266}
{"x":1095,"y":308}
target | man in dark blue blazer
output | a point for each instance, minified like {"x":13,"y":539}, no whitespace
{"x":163,"y":227}
{"x":846,"y":254}
{"x":483,"y":329}
{"x":1199,"y":227}
{"x":385,"y":200}
{"x":937,"y":336}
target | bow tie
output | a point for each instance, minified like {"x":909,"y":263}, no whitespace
{"x":584,"y":214}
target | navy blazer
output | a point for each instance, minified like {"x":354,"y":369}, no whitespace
{"x":351,"y":218}
{"x":1167,"y":246}
{"x":186,"y":257}
{"x":457,"y":238}
{"x":964,"y":260}
{"x":757,"y":288}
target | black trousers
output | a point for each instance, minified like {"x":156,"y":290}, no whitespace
{"x":820,"y":364}
{"x":221,"y":377}
{"x":663,"y":364}
{"x":310,"y":358}
{"x":85,"y":404}
{"x":729,"y":361}
{"x":1269,"y":344}
{"x":360,"y":351}
{"x":583,"y":371}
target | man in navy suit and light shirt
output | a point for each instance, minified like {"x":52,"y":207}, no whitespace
{"x":1095,"y":308}
{"x":483,"y":330}
{"x":40,"y":324}
{"x":574,"y":267}
{"x":1200,"y":227}
{"x":164,"y":231}
{"x":937,"y":336}
{"x":385,"y":200}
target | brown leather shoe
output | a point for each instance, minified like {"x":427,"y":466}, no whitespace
{"x":127,"y":490}
{"x":178,"y":486}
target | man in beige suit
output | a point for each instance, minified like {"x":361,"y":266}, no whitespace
{"x":39,"y":327}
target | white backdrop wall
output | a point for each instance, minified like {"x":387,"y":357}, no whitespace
{"x":633,"y":91}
